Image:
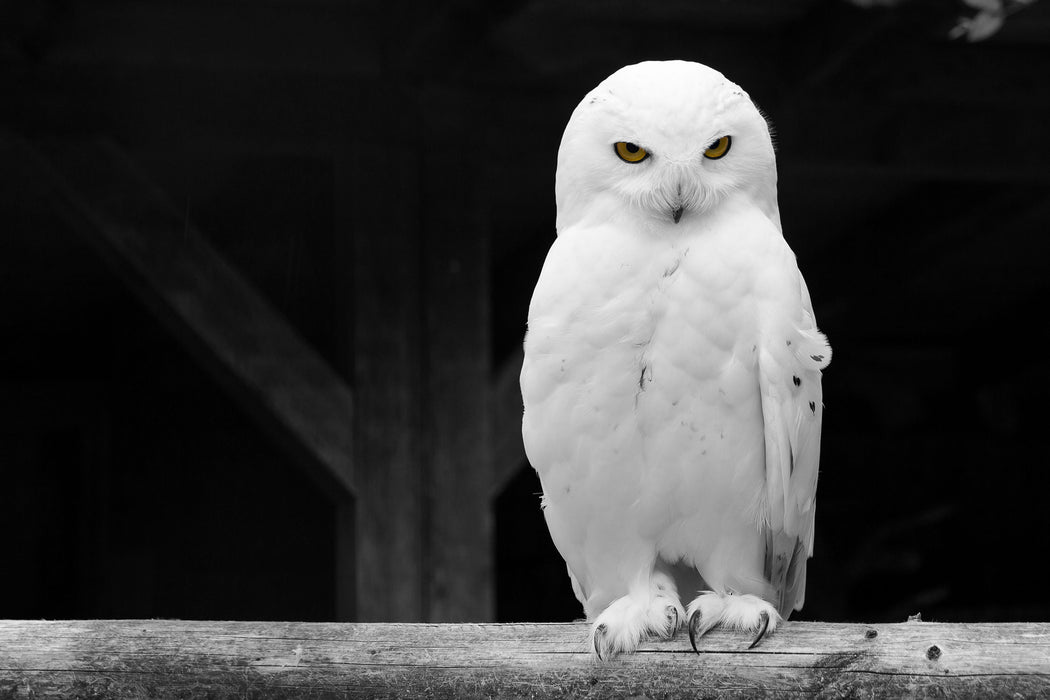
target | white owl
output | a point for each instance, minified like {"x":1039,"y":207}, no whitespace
{"x":672,"y":365}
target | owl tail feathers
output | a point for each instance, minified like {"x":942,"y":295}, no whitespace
{"x":812,"y":349}
{"x":785,"y":570}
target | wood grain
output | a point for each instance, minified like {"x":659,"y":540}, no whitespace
{"x":171,"y":658}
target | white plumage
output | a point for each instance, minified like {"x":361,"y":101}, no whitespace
{"x":672,"y":364}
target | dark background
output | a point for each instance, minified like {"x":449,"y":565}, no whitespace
{"x":380,"y":174}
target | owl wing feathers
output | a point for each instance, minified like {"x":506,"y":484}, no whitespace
{"x":789,"y":381}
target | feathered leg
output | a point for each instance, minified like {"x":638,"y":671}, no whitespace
{"x":649,"y":609}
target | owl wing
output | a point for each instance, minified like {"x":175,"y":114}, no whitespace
{"x":790,"y":361}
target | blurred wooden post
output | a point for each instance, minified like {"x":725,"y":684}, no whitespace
{"x":421,"y":362}
{"x":415,"y":541}
{"x":218,"y":316}
{"x":457,"y":359}
{"x":229,"y":327}
{"x":376,"y":190}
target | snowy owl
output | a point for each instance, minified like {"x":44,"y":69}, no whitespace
{"x":672,"y":368}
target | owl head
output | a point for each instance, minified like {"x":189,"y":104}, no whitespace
{"x":662,"y":143}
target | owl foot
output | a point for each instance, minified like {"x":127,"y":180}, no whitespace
{"x":746,"y":613}
{"x":621,"y":627}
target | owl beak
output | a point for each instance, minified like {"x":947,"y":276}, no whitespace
{"x":676,"y":214}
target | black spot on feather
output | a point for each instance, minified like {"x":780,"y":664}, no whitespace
{"x":817,"y":358}
{"x":813,"y":407}
{"x":798,"y":382}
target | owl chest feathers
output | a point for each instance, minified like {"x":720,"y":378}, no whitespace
{"x":641,"y":351}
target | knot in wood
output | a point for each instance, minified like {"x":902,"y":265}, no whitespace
{"x":933,"y":653}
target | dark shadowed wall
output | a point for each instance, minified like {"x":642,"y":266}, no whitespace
{"x":380,"y":177}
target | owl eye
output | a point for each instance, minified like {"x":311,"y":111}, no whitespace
{"x":630,"y":152}
{"x":718,"y":148}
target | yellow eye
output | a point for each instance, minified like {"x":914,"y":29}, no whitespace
{"x":718,"y":148}
{"x":630,"y":152}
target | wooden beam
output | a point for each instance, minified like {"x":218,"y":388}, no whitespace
{"x":377,"y":188}
{"x":461,"y":585}
{"x":254,"y":353}
{"x":133,"y":658}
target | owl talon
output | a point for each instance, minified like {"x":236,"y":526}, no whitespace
{"x":694,"y":625}
{"x":762,"y":632}
{"x":672,"y":618}
{"x":743,"y":613}
{"x":598,"y":631}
